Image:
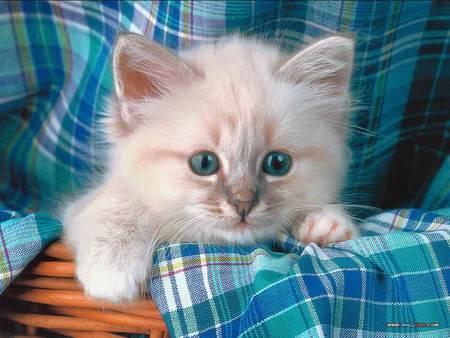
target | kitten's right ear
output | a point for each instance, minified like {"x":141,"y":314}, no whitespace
{"x":143,"y":69}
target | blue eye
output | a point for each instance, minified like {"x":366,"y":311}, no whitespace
{"x":276,"y":163}
{"x":204,"y":163}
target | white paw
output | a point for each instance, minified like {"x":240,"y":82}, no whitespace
{"x":326,"y":226}
{"x":102,"y":280}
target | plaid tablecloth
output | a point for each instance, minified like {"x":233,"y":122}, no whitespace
{"x":55,"y":75}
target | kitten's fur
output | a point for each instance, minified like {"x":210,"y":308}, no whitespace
{"x":240,"y":99}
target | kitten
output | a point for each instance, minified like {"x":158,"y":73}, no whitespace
{"x":230,"y":142}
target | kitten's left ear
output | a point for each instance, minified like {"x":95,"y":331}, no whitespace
{"x":327,"y":62}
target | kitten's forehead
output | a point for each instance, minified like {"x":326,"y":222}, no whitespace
{"x":239,"y":108}
{"x":241,"y":137}
{"x":227,"y":113}
{"x":238,"y":120}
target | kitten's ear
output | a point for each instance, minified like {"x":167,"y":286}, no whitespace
{"x":327,"y":62}
{"x":143,"y":68}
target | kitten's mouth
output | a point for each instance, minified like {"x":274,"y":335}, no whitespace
{"x":240,"y":226}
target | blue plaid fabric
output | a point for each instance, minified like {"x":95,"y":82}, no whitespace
{"x":55,"y":75}
{"x":21,"y":239}
{"x":393,"y":281}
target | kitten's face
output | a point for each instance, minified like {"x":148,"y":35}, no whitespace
{"x":238,"y":152}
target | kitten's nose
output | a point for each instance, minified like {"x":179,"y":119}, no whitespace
{"x":244,"y":201}
{"x":243,"y":208}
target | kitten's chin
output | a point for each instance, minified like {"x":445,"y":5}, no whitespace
{"x":239,"y":232}
{"x":235,"y":235}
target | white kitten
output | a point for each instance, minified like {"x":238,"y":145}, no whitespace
{"x":230,"y":142}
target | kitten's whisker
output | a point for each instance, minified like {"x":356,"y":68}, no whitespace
{"x":349,"y":126}
{"x":359,"y":206}
{"x":185,"y":225}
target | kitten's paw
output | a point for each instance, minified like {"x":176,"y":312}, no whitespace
{"x":103,"y":281}
{"x":326,"y":226}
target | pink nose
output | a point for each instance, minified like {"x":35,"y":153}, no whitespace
{"x":243,"y":203}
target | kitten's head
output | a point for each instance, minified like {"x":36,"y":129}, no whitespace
{"x":231,"y":141}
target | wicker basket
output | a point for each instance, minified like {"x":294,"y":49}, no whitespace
{"x":46,"y":300}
